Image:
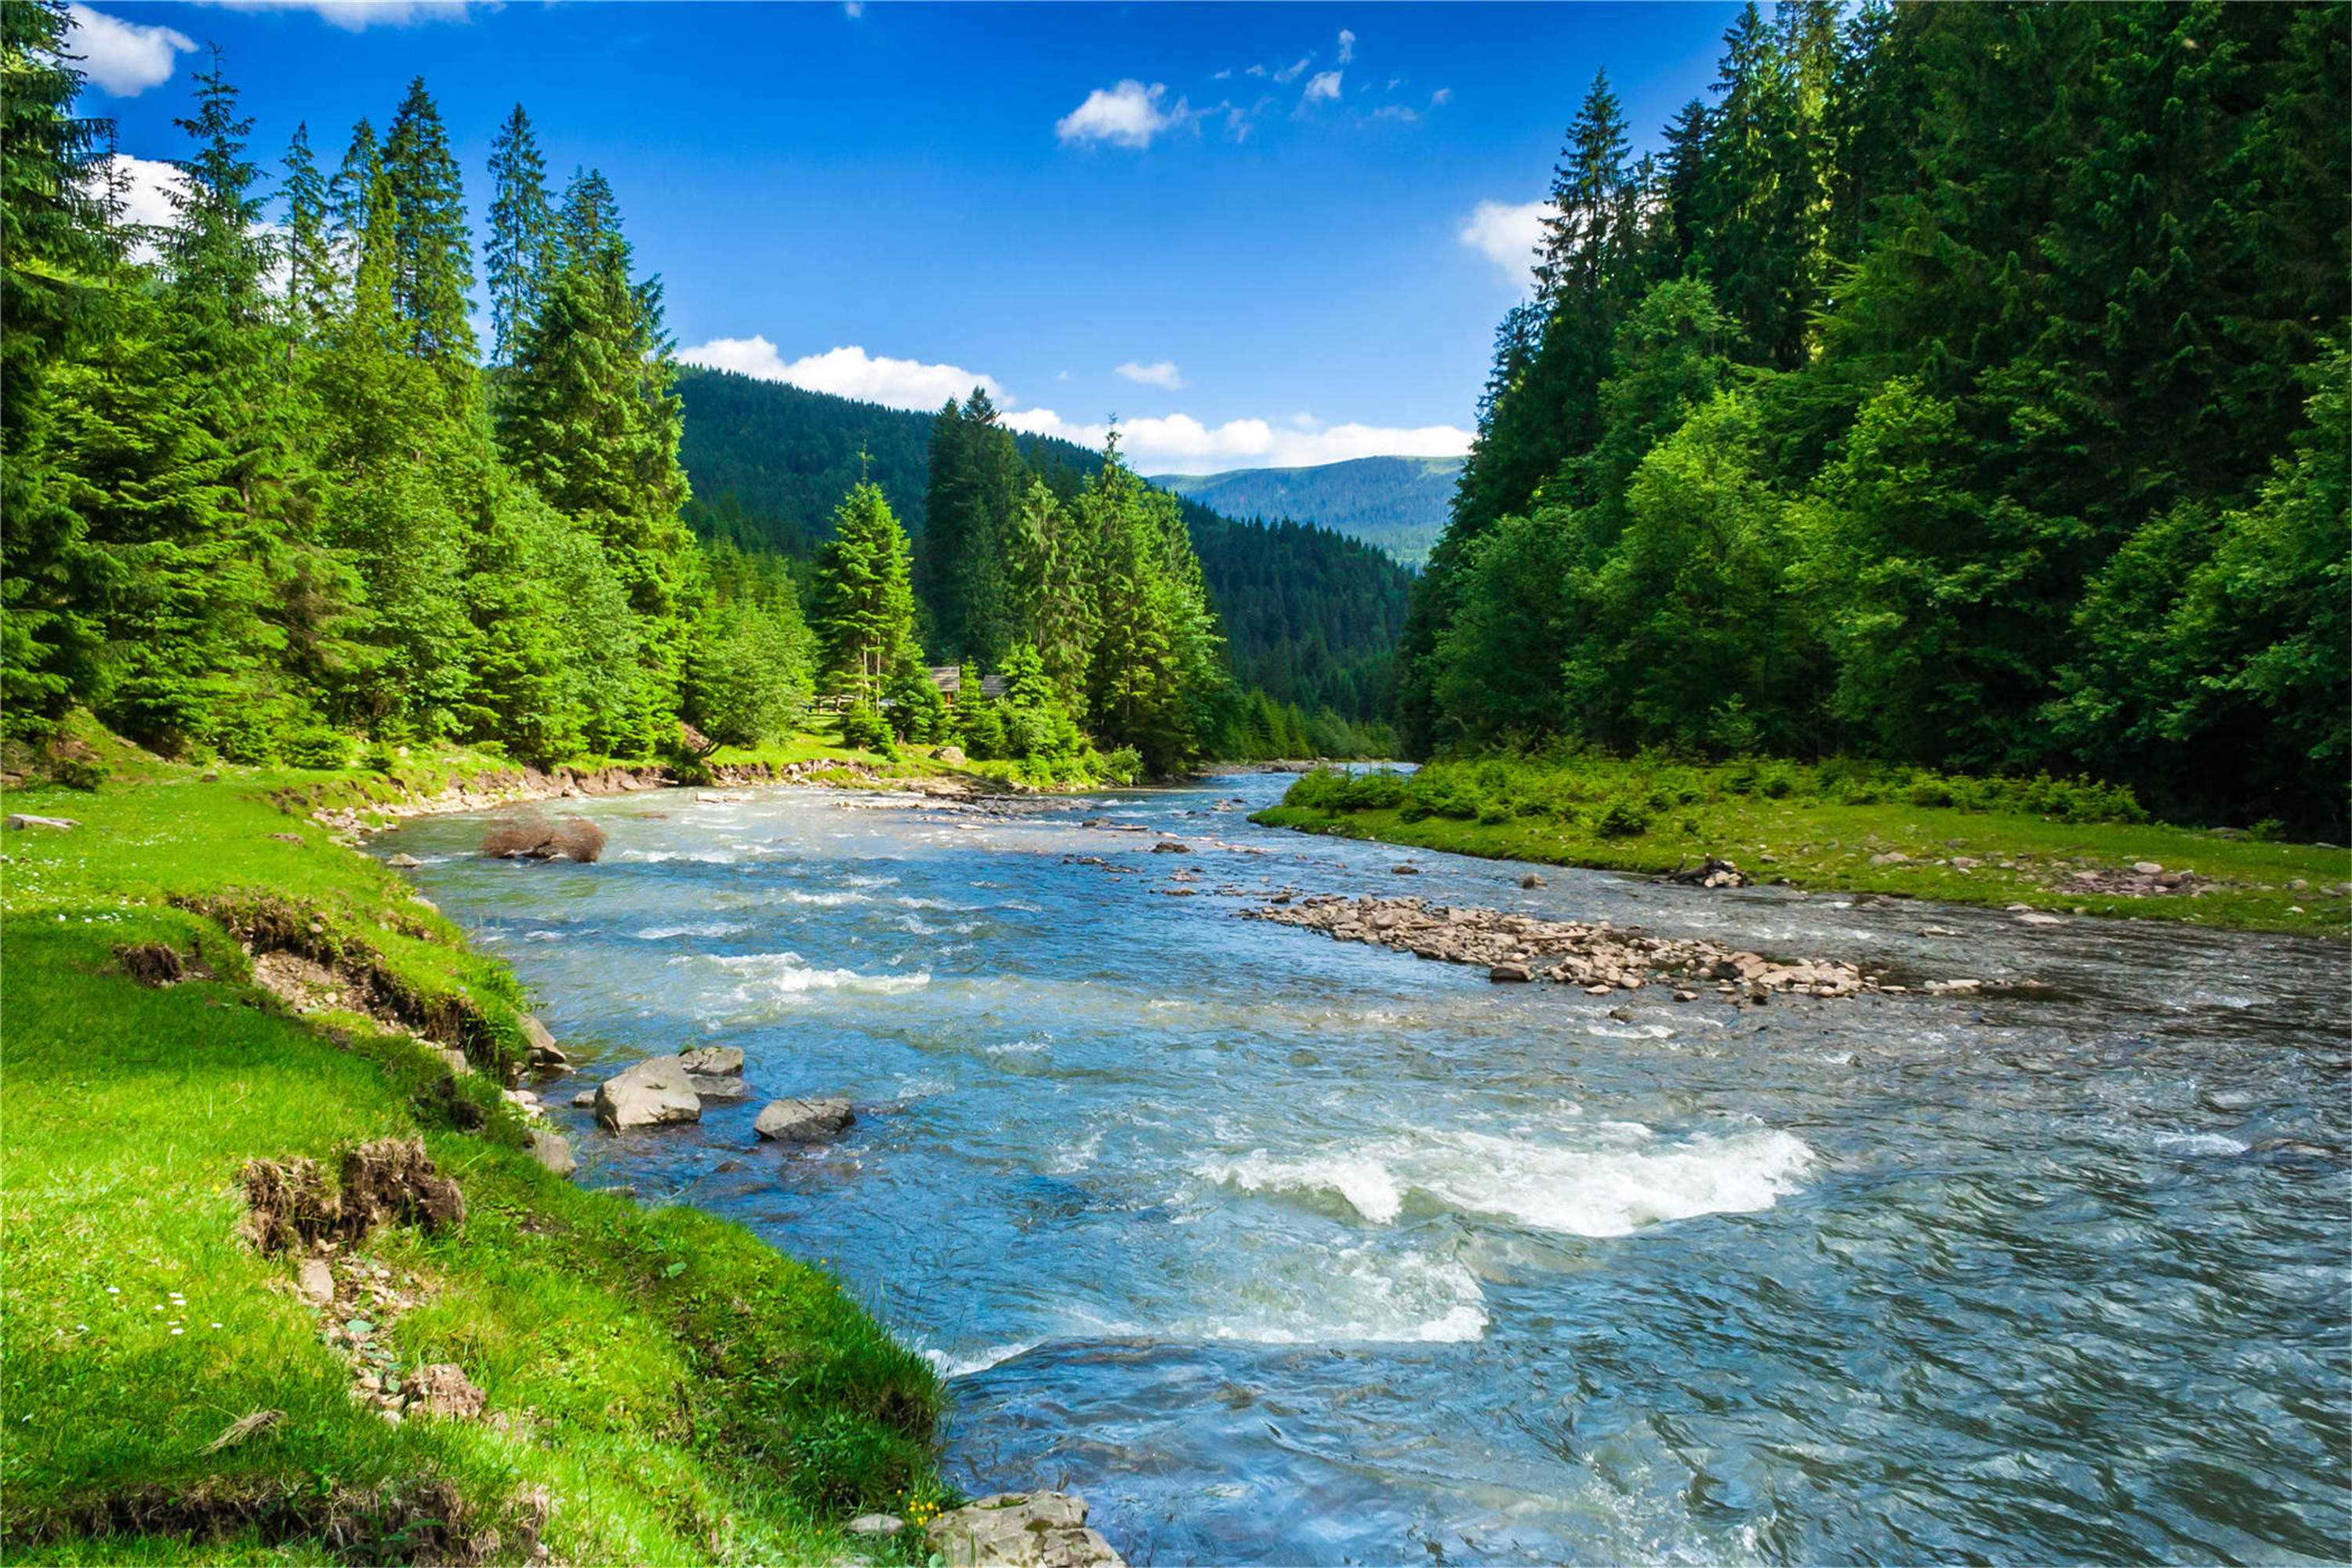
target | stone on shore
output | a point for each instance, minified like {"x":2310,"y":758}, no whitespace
{"x":56,"y":824}
{"x":656,"y":1093}
{"x":1509,"y":972}
{"x":553,"y":1150}
{"x":876,"y":1524}
{"x":1021,"y":1530}
{"x":713,"y":1061}
{"x":404,"y":862}
{"x":803,"y":1121}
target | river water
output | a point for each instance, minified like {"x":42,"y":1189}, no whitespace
{"x":1284,"y":1251}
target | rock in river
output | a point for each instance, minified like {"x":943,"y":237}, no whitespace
{"x":651,"y":1094}
{"x":1022,"y":1530}
{"x":803,"y":1121}
{"x":714,"y":1061}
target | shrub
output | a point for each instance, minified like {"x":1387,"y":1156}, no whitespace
{"x":1622,"y":819}
{"x":862,"y":728}
{"x":1123,"y":766}
{"x":315,"y":746}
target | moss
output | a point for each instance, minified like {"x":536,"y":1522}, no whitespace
{"x":674,"y":1390}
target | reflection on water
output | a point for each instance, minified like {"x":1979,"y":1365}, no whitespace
{"x":1284,"y":1250}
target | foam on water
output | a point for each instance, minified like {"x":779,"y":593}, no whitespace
{"x":2199,"y":1144}
{"x":786,"y":975}
{"x":702,"y":928}
{"x":1362,"y":1295}
{"x":1578,"y":1191}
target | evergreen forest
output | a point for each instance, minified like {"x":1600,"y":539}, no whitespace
{"x":1310,"y":616}
{"x":1961,"y":386}
{"x":268,"y":499}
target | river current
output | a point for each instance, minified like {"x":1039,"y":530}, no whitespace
{"x":1279,"y":1249}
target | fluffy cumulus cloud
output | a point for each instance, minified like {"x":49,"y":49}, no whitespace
{"x":1177,"y":444}
{"x":1347,"y":45}
{"x":1129,"y":115}
{"x":847,"y":372}
{"x":1323,"y":87}
{"x":1509,"y":233}
{"x":1160,"y":374}
{"x":358,"y":15}
{"x":123,"y":58}
{"x":1181,"y":444}
{"x":1293,"y":72}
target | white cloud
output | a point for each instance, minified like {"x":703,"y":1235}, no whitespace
{"x":1161,"y":374}
{"x":1347,"y":45}
{"x":123,"y":58}
{"x":1223,"y":75}
{"x":1324,"y":85}
{"x":358,"y":15}
{"x":1129,"y":115}
{"x":146,"y":187}
{"x":1397,"y":111}
{"x":1183,"y":445}
{"x":1292,"y":73}
{"x":1509,"y":233}
{"x":1443,"y":95}
{"x":1260,"y":71}
{"x":847,"y":372}
{"x":853,"y":8}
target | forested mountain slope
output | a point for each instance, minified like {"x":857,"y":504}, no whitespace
{"x":1963,"y":385}
{"x":1397,"y":503}
{"x":1310,"y":616}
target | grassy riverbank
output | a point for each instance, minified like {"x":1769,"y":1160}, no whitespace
{"x":661,"y":1386}
{"x":2050,"y":844}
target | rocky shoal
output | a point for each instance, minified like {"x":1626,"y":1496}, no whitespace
{"x":1596,"y":956}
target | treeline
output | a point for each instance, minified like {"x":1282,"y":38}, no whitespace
{"x":262,"y":501}
{"x":1018,"y":551}
{"x":1310,"y":617}
{"x":1964,"y":387}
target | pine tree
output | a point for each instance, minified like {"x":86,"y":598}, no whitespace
{"x":54,"y":266}
{"x":310,"y":276}
{"x":350,"y":191}
{"x":864,"y":603}
{"x":518,"y":259}
{"x":433,"y":259}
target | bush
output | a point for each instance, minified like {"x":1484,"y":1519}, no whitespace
{"x":1622,"y":819}
{"x":1123,"y":766}
{"x":316,"y":747}
{"x":862,"y":728}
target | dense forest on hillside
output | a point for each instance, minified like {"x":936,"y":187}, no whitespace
{"x":1962,"y":385}
{"x":262,"y":501}
{"x":267,"y":498}
{"x":1309,"y":617}
{"x":1400,"y":504}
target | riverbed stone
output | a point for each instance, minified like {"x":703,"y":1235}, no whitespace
{"x":803,"y":1121}
{"x":725,"y":1089}
{"x":713,"y":1061}
{"x":1531,"y":880}
{"x":1021,"y":1530}
{"x":655,"y":1093}
{"x":1509,"y":972}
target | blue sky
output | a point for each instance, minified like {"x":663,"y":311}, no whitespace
{"x":1256,"y":234}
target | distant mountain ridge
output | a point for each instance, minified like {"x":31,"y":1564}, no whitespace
{"x":1398,"y":504}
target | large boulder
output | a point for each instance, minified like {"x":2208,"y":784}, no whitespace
{"x":803,"y":1121}
{"x":651,"y":1094}
{"x":714,"y":1061}
{"x":1021,"y":1530}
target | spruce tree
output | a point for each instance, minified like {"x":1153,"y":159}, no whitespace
{"x":433,"y":259}
{"x":55,"y":266}
{"x":310,"y":276}
{"x":864,"y":602}
{"x":517,"y":260}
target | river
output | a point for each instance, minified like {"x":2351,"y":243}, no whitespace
{"x":1279,"y":1249}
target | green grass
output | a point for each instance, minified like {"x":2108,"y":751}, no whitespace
{"x":1643,"y":817}
{"x":678,"y":1391}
